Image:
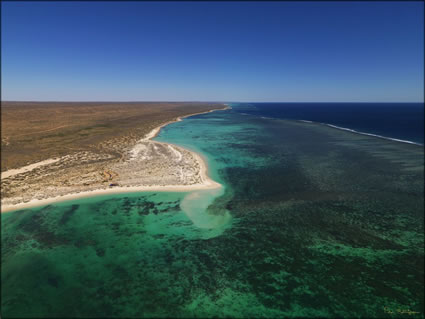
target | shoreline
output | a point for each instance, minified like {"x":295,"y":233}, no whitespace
{"x":207,"y":182}
{"x":154,"y":133}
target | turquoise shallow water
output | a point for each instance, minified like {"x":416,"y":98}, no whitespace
{"x":311,"y":222}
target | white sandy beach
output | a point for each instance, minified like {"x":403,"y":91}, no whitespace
{"x":208,"y":184}
{"x":205,"y":183}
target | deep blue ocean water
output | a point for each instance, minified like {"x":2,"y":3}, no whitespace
{"x":403,"y":121}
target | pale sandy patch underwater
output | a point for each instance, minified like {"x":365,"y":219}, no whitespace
{"x":322,"y":223}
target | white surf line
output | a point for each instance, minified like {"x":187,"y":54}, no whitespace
{"x":28,"y":168}
{"x":362,"y":133}
{"x":370,"y":134}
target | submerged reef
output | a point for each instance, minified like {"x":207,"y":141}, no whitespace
{"x":312,"y":222}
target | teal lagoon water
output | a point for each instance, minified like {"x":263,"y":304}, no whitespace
{"x":310,"y":222}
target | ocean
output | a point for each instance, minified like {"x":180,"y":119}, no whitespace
{"x":312,"y":221}
{"x":403,"y":121}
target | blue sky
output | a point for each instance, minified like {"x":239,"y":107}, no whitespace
{"x":213,"y":51}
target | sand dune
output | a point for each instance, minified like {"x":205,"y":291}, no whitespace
{"x":28,"y":168}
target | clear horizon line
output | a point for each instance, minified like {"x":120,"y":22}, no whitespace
{"x":198,"y":101}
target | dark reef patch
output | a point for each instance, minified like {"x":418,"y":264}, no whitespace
{"x":324,"y":224}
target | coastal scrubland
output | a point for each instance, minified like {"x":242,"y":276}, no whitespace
{"x":35,"y":131}
{"x":55,"y":149}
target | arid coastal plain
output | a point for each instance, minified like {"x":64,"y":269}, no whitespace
{"x":66,"y":150}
